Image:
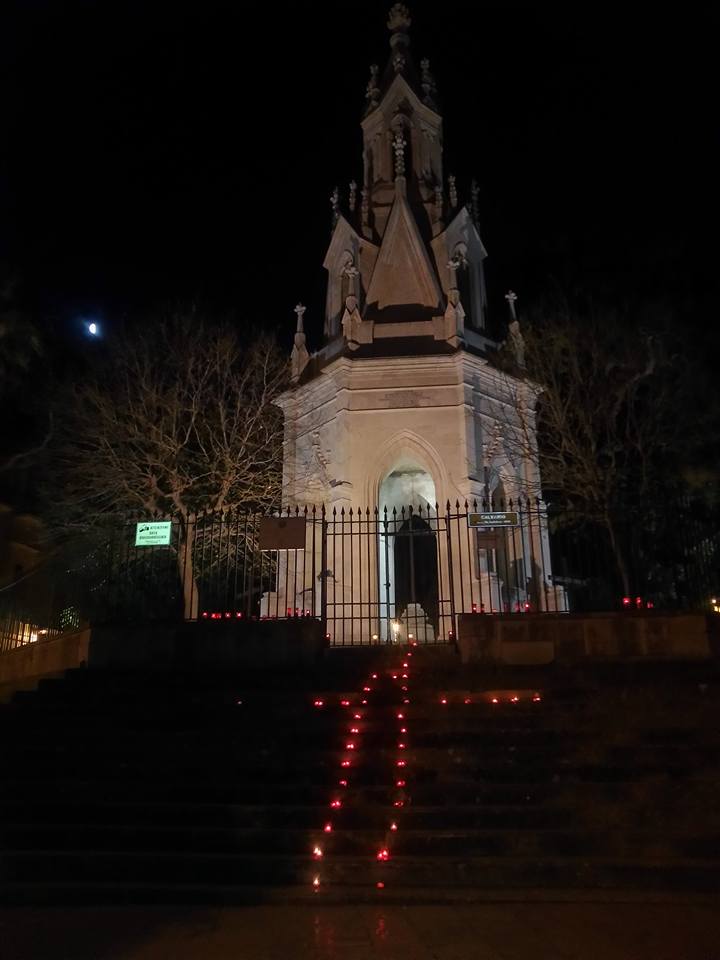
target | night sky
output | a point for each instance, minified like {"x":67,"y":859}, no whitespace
{"x":155,"y":153}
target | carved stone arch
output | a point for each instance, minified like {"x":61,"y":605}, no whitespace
{"x":406,"y":445}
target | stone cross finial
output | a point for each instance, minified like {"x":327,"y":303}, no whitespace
{"x":300,"y":311}
{"x":452,"y":189}
{"x":511,"y":298}
{"x":353,"y":196}
{"x":399,"y":144}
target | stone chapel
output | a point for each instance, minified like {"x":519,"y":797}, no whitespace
{"x":402,"y":406}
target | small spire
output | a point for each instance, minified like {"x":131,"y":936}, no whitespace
{"x":427,"y":82}
{"x":517,"y":340}
{"x":372,"y":92}
{"x":439,"y":202}
{"x":300,"y":311}
{"x":399,"y":23}
{"x":452,"y":189}
{"x":365,"y":210}
{"x":399,"y":144}
{"x":299,"y":357}
{"x":352,"y":201}
{"x":335,"y":204}
{"x":475,"y":201}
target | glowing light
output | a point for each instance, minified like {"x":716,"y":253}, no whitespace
{"x":402,"y":763}
{"x":399,"y":783}
{"x":349,"y":746}
{"x":393,"y":826}
{"x":514,"y":699}
{"x":238,"y":703}
{"x":405,"y":665}
{"x":343,"y":783}
{"x":357,"y":716}
{"x":93,"y":329}
{"x":404,"y":689}
{"x":494,"y":700}
{"x":363,"y":703}
{"x":401,"y":746}
{"x":537,"y":698}
{"x":319,"y":703}
{"x":380,"y":885}
{"x":398,"y":803}
{"x":345,"y":763}
{"x":328,"y":827}
{"x":344,"y":703}
{"x":354,"y":729}
{"x":467,"y":700}
{"x":336,"y":804}
{"x":443,"y":700}
{"x":403,"y":729}
{"x":410,"y":636}
{"x":316,"y":882}
{"x":406,"y":700}
{"x":401,"y":716}
{"x":317,"y":852}
{"x":374,"y":676}
{"x":394,"y":676}
{"x":383,"y":854}
{"x":367,"y":689}
{"x":405,"y":676}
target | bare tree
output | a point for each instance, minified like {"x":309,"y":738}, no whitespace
{"x":599,"y":407}
{"x":181,"y":420}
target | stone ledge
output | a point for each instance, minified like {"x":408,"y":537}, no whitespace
{"x":530,"y":639}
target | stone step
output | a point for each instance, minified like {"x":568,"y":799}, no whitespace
{"x":364,"y":812}
{"x":352,"y":839}
{"x":134,"y":877}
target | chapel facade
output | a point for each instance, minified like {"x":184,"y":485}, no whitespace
{"x":402,"y":407}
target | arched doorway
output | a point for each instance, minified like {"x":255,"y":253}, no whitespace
{"x":407,"y":546}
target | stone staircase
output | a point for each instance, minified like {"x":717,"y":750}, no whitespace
{"x":183,"y":788}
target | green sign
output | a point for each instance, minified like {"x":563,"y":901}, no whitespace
{"x":489,"y":520}
{"x":155,"y":533}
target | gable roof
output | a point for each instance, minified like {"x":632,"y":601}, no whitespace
{"x":403,"y":273}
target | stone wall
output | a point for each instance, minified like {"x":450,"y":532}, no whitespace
{"x":527,"y":639}
{"x":208,"y":645}
{"x":43,"y":659}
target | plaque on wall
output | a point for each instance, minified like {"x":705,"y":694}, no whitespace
{"x":282,"y":533}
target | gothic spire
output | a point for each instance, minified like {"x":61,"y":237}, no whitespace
{"x":399,"y":23}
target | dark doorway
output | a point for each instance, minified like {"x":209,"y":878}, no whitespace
{"x":416,"y":578}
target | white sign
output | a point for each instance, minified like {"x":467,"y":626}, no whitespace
{"x":155,"y":533}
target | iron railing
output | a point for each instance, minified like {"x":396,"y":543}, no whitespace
{"x":374,"y":575}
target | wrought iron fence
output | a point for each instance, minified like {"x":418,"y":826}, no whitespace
{"x":374,"y":575}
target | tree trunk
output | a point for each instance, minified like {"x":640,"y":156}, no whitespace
{"x":618,"y":555}
{"x":186,"y":568}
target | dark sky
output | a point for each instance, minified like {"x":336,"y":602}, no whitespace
{"x":158,"y":152}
